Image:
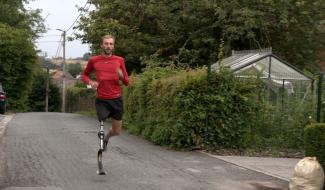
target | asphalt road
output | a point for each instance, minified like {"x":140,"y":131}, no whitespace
{"x":54,"y":151}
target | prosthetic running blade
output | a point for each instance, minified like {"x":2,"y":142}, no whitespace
{"x":100,"y":170}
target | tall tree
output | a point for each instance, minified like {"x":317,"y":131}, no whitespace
{"x":14,"y":14}
{"x":17,"y":64}
{"x":18,"y":30}
{"x":189,"y":32}
{"x":291,"y":27}
{"x":75,"y":69}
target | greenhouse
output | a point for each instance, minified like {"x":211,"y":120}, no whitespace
{"x":286,"y":97}
{"x":281,"y":78}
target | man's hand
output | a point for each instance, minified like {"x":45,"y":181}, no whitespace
{"x":119,"y":73}
{"x":93,"y":84}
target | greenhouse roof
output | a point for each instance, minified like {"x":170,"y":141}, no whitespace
{"x":264,"y":62}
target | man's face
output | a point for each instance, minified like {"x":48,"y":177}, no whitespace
{"x":107,"y":46}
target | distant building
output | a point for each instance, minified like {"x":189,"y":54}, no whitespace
{"x":58,"y":77}
{"x":59,"y":60}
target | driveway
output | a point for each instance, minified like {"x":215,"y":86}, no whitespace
{"x":56,"y":151}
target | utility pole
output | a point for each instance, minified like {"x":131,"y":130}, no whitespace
{"x":63,"y":70}
{"x":47,"y":90}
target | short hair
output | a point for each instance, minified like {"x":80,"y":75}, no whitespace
{"x":107,"y":36}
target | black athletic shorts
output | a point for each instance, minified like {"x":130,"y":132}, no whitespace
{"x":109,"y":108}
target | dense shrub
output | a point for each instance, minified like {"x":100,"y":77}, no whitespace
{"x":179,"y":108}
{"x":315,"y":142}
{"x":169,"y":106}
{"x":136,"y":100}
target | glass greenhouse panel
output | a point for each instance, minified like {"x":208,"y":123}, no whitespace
{"x":239,"y":60}
{"x":259,"y":68}
{"x":280,"y":70}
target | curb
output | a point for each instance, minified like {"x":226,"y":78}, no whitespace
{"x":3,"y":124}
{"x":247,"y":167}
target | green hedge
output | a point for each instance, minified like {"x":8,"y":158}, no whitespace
{"x":315,"y":142}
{"x":168,"y":106}
{"x":135,"y":99}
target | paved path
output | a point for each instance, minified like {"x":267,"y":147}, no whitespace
{"x":281,"y":168}
{"x":54,"y":151}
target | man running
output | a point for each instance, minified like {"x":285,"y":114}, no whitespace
{"x":109,"y":70}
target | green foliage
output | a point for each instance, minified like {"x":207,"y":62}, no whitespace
{"x":18,"y":30}
{"x":170,"y":110}
{"x":14,"y":14}
{"x":86,"y":56}
{"x":315,"y":142}
{"x":80,"y":84}
{"x":232,"y":106}
{"x":75,"y":69}
{"x":279,"y":127}
{"x":36,"y":98}
{"x":189,"y":32}
{"x":171,"y":106}
{"x":135,"y":95}
{"x":17,"y":64}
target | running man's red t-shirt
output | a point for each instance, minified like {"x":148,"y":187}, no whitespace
{"x":106,"y":75}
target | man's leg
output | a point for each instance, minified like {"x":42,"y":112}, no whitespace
{"x":117,"y":113}
{"x":114,"y":131}
{"x":116,"y":128}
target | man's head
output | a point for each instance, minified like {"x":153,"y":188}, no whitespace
{"x":107,"y":44}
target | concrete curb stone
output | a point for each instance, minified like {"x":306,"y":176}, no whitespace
{"x":4,"y":120}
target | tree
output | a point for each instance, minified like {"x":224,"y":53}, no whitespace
{"x":292,"y":28}
{"x":189,"y":32}
{"x":14,"y":14}
{"x":17,"y":64}
{"x":36,"y":98}
{"x":18,"y":30}
{"x":86,"y":56}
{"x":75,"y":69}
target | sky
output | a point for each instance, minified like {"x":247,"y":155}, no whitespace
{"x":59,"y":14}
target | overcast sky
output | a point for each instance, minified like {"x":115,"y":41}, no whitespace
{"x":59,"y":14}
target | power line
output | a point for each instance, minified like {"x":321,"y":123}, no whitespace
{"x":77,"y":17}
{"x":48,"y":35}
{"x":47,"y":42}
{"x":59,"y":48}
{"x":74,"y":22}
